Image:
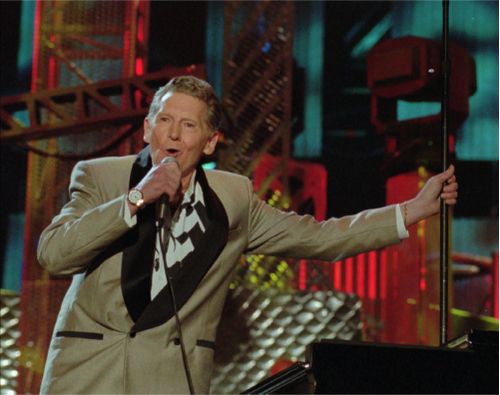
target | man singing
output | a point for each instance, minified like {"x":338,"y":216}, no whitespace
{"x":116,"y":331}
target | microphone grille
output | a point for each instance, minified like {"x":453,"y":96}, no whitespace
{"x":168,"y":159}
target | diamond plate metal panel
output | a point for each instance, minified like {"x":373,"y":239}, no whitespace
{"x":9,"y":347}
{"x":260,"y":329}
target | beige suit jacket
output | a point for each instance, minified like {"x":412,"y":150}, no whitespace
{"x":105,"y":341}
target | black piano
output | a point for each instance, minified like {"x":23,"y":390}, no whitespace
{"x":339,"y":367}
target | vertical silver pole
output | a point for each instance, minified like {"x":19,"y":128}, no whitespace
{"x":444,"y":210}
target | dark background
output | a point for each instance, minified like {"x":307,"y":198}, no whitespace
{"x":353,"y":159}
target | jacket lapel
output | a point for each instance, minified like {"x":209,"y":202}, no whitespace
{"x":194,"y":266}
{"x":138,"y":256}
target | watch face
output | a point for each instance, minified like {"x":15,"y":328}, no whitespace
{"x":135,"y":197}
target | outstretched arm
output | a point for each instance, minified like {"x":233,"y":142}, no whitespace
{"x":427,"y":202}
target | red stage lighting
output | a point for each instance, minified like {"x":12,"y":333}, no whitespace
{"x":409,"y":68}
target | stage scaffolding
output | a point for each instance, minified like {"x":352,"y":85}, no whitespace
{"x":90,"y":58}
{"x":75,"y":43}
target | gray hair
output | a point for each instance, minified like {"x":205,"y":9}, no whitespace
{"x":194,"y":87}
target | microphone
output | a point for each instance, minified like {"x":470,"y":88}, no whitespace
{"x":162,"y":214}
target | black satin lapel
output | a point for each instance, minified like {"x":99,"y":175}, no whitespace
{"x":195,"y":265}
{"x":215,"y":209}
{"x":139,"y":255}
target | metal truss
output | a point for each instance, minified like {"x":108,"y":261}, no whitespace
{"x":257,"y":82}
{"x":74,"y":43}
{"x":73,"y":110}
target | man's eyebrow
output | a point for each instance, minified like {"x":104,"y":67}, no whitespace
{"x":182,"y":119}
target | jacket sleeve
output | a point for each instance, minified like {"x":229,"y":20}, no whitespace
{"x":85,"y":226}
{"x":287,"y":234}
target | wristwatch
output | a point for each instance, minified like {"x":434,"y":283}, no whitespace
{"x":136,"y":198}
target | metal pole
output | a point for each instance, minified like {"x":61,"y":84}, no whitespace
{"x":444,"y":210}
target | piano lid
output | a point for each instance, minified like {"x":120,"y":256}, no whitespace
{"x":341,"y":367}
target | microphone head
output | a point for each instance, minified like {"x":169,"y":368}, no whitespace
{"x":168,"y":159}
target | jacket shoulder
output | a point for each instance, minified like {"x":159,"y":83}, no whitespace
{"x":222,"y":175}
{"x":108,"y":161}
{"x":108,"y":168}
{"x":109,"y":174}
{"x":229,"y":186}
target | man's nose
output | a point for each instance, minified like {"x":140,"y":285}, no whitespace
{"x":174,"y":131}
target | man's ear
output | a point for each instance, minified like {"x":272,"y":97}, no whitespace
{"x":147,"y":130}
{"x":211,"y":143}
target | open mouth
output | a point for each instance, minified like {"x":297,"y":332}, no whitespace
{"x":172,"y":151}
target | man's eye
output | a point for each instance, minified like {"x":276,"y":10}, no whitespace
{"x":190,"y":125}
